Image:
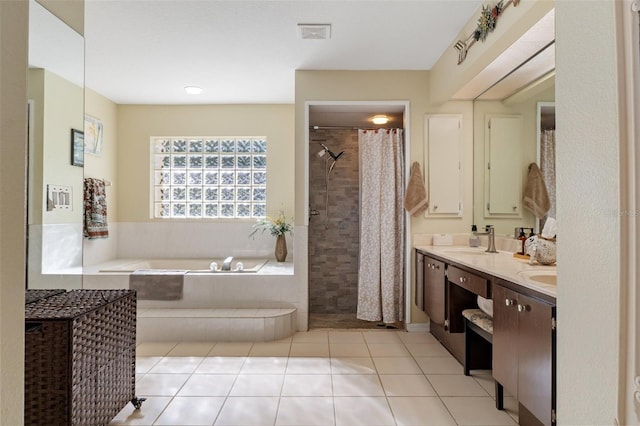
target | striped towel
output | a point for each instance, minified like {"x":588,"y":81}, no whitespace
{"x":95,"y":209}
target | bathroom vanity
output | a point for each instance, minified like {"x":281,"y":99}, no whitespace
{"x":449,"y":279}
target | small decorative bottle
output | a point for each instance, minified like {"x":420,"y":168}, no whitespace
{"x":474,"y":241}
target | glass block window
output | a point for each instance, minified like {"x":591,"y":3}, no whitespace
{"x":208,"y":178}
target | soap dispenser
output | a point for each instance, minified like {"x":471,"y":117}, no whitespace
{"x":522,"y":238}
{"x":474,"y":240}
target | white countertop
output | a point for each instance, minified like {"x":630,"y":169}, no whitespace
{"x":502,"y":265}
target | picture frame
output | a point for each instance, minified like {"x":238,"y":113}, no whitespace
{"x":77,"y":148}
{"x":93,"y":130}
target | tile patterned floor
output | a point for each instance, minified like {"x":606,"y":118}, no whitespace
{"x":339,"y":378}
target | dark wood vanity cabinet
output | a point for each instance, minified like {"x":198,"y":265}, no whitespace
{"x":430,"y":287}
{"x":524,"y":350}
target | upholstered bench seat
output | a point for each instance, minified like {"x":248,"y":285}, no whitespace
{"x":478,"y":323}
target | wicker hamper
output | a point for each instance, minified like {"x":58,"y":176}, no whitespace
{"x":79,"y":357}
{"x":31,"y":296}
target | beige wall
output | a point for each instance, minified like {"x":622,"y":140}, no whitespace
{"x":447,"y":77}
{"x":104,"y":166}
{"x":13,"y":143}
{"x":137,"y":123}
{"x":588,"y":179}
{"x":411,"y":86}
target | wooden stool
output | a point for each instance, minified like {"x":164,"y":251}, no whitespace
{"x":478,"y":323}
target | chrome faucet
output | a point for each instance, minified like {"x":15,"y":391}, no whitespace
{"x":491,"y":232}
{"x":226,"y":266}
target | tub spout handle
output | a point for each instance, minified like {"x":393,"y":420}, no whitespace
{"x":226,"y":266}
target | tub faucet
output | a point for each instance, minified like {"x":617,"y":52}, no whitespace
{"x":226,"y":266}
{"x":491,"y":232}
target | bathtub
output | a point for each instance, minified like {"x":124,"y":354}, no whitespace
{"x":189,"y":265}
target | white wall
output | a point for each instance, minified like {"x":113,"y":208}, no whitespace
{"x":588,"y":193}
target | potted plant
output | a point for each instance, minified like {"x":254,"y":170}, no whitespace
{"x":278,"y":228}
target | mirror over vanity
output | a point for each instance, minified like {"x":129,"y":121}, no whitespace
{"x":55,"y":172}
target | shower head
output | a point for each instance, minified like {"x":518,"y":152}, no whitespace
{"x":328,"y":151}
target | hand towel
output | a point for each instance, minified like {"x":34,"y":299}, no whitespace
{"x":95,"y":209}
{"x":536,"y":197}
{"x":415,"y":198}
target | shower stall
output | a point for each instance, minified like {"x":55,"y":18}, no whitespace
{"x":334,"y":225}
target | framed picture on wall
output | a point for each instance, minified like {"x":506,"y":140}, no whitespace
{"x":92,"y":135}
{"x":77,"y":148}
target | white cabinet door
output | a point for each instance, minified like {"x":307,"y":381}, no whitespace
{"x":443,"y":157}
{"x":503,"y":162}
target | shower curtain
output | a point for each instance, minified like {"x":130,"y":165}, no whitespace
{"x":548,"y":167}
{"x":381,"y":260}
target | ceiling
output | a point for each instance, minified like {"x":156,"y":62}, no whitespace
{"x":247,"y":51}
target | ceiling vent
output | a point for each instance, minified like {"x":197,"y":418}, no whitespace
{"x":314,"y":31}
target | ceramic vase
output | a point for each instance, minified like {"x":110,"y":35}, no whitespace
{"x":281,"y":248}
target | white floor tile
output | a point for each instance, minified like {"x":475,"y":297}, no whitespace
{"x":208,"y":385}
{"x":145,"y":363}
{"x":311,"y":337}
{"x":357,"y":385}
{"x":348,"y":349}
{"x":427,"y":349}
{"x":456,"y":385}
{"x":146,"y":415}
{"x":439,"y":365}
{"x":308,"y":365}
{"x":416,"y":337}
{"x":420,"y":411}
{"x":308,"y":411}
{"x":220,"y":365}
{"x":270,"y":349}
{"x":511,"y":407}
{"x":257,"y":385}
{"x":346,"y":337}
{"x":248,"y":411}
{"x":469,"y":411}
{"x":231,"y":349}
{"x":349,"y":365}
{"x":388,"y":349}
{"x":358,"y":411}
{"x":195,"y":410}
{"x":161,"y":384}
{"x":381,"y":337}
{"x":396,"y":365}
{"x":406,"y":385}
{"x":198,"y":349}
{"x":264,"y":365}
{"x":307,"y":385}
{"x":154,"y":348}
{"x":176,"y":365}
{"x":309,"y":349}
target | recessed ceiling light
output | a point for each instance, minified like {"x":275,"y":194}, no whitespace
{"x":380,"y":119}
{"x":193,"y":90}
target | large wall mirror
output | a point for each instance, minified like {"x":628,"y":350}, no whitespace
{"x":508,"y":130}
{"x":55,"y":165}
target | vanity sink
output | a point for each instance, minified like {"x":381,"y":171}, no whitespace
{"x":541,"y":277}
{"x":466,"y":251}
{"x":545,"y":279}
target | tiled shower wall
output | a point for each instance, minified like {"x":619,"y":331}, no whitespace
{"x":334,"y":243}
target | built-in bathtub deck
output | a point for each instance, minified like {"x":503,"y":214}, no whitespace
{"x":231,"y":307}
{"x":215,"y":324}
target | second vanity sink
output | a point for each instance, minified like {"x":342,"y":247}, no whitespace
{"x":541,"y":277}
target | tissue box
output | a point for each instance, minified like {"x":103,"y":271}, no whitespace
{"x":443,"y":240}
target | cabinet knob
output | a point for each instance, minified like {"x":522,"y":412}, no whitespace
{"x":463,"y":279}
{"x":523,"y":308}
{"x":509,"y":302}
